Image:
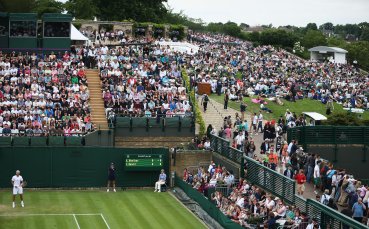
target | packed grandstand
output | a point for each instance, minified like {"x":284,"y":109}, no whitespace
{"x":43,"y":95}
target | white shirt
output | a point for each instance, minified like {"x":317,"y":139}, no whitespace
{"x":311,"y":226}
{"x":17,"y":180}
{"x":239,"y":139}
{"x":289,"y":147}
{"x":255,"y":120}
{"x":324,"y":197}
{"x":269,"y":204}
{"x":240,"y":202}
{"x":316,"y":171}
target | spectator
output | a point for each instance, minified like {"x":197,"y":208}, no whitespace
{"x":162,"y":180}
{"x":347,"y":212}
{"x":300,"y":179}
{"x":358,"y":210}
{"x":288,"y":172}
{"x":325,"y":197}
{"x":316,"y":172}
{"x":314,"y":224}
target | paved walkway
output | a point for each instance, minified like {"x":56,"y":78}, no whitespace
{"x":215,"y":115}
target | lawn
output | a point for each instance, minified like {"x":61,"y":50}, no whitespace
{"x":305,"y":105}
{"x":95,"y":209}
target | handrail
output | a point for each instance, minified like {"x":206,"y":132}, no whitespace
{"x":334,"y":214}
{"x":47,"y":134}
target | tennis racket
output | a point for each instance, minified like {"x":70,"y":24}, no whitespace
{"x":24,"y":184}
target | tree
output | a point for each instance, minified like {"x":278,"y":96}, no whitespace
{"x":313,"y":38}
{"x":137,"y":10}
{"x":244,"y":26}
{"x":327,"y":26}
{"x":231,"y":28}
{"x":365,"y":34}
{"x":359,"y":51}
{"x":336,"y":42}
{"x":311,"y":26}
{"x":214,"y":27}
{"x":47,"y":6}
{"x":255,"y":36}
{"x":78,"y":9}
{"x":32,"y":6}
{"x":17,"y":6}
{"x":343,"y":119}
{"x":277,"y":37}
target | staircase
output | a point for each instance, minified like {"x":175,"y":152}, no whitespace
{"x":215,"y":113}
{"x":96,"y":101}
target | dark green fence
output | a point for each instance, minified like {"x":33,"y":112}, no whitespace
{"x":329,"y":135}
{"x":327,"y":217}
{"x":56,"y":167}
{"x":206,"y":204}
{"x":97,"y":138}
{"x":142,"y":126}
{"x":222,"y":146}
{"x":271,"y":181}
{"x":258,"y":174}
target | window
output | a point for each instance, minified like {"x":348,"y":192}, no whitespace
{"x":23,"y":29}
{"x":56,"y":29}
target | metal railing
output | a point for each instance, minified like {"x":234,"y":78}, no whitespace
{"x":283,"y":187}
{"x":222,"y":146}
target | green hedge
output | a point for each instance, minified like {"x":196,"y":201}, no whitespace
{"x":178,"y":28}
{"x":197,"y":111}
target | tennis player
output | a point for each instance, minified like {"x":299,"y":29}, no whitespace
{"x":111,"y":177}
{"x":17,"y":182}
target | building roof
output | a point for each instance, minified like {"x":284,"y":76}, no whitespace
{"x":314,"y":115}
{"x":325,"y":49}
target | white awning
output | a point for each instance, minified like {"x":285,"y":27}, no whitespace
{"x":314,"y":115}
{"x":76,"y":35}
{"x":354,"y":110}
{"x":183,"y":47}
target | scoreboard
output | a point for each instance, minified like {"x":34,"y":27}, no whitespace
{"x":143,"y":162}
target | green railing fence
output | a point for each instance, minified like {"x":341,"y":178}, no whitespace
{"x":262,"y":176}
{"x":206,"y":204}
{"x":271,"y":181}
{"x":222,"y":146}
{"x":329,"y":135}
{"x":330,"y":218}
{"x":283,"y":187}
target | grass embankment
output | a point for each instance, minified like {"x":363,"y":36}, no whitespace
{"x":305,"y":105}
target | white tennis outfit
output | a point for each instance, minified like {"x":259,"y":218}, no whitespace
{"x":17,"y":187}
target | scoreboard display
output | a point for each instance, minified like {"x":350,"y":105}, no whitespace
{"x":143,"y":162}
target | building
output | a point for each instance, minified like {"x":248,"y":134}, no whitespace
{"x":333,"y":54}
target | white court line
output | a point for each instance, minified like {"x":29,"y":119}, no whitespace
{"x":106,"y":223}
{"x":67,"y":214}
{"x":75,"y":219}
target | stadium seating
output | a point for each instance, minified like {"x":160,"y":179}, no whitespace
{"x":43,"y":95}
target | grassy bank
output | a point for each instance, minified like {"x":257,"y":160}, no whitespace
{"x":305,"y":105}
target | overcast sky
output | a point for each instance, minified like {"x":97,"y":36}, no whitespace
{"x":276,"y":12}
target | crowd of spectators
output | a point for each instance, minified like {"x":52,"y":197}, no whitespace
{"x":23,"y":29}
{"x":43,"y":95}
{"x":102,"y":36}
{"x":142,"y":81}
{"x":244,"y":203}
{"x":271,"y":73}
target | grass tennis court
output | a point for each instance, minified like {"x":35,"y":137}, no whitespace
{"x":95,"y":209}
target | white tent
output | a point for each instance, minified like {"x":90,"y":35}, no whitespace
{"x":76,"y":35}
